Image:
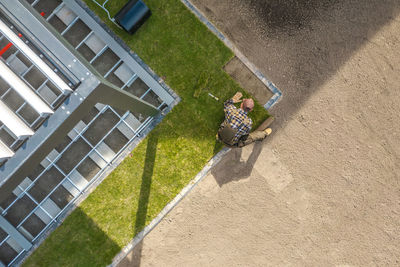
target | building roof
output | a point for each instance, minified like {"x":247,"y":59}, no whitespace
{"x":72,"y":97}
{"x":85,"y":69}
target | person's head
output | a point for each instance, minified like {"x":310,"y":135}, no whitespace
{"x":247,"y":104}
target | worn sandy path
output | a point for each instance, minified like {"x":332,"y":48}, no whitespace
{"x":324,"y":189}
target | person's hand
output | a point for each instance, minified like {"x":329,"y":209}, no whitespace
{"x":236,"y":98}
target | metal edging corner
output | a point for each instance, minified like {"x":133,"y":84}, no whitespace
{"x":277,"y":94}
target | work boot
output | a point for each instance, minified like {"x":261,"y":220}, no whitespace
{"x":268,"y":131}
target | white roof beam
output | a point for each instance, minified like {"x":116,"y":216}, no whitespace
{"x":5,"y":152}
{"x":13,"y":122}
{"x":24,"y":90}
{"x":36,"y":60}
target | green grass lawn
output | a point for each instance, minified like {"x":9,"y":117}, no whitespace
{"x":179,"y":48}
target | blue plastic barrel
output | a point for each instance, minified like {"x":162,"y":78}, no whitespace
{"x":132,"y":15}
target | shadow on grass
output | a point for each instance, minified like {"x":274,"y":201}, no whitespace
{"x":232,"y":168}
{"x":78,"y":236}
{"x":144,"y":196}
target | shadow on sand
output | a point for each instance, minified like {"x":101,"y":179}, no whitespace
{"x":233,"y":168}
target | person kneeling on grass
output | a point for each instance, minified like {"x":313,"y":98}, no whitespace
{"x":235,"y":129}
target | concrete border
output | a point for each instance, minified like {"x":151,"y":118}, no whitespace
{"x":277,"y":93}
{"x":139,"y":237}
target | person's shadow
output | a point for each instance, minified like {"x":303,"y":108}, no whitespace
{"x":232,"y":168}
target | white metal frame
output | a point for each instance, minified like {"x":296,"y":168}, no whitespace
{"x":13,"y":122}
{"x":23,"y":90}
{"x":16,"y":40}
{"x":5,"y":152}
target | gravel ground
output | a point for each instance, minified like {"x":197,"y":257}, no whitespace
{"x":324,"y":189}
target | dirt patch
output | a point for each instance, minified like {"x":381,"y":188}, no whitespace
{"x":247,"y":80}
{"x":291,"y":15}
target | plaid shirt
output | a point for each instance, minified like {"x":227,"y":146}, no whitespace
{"x":237,"y":118}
